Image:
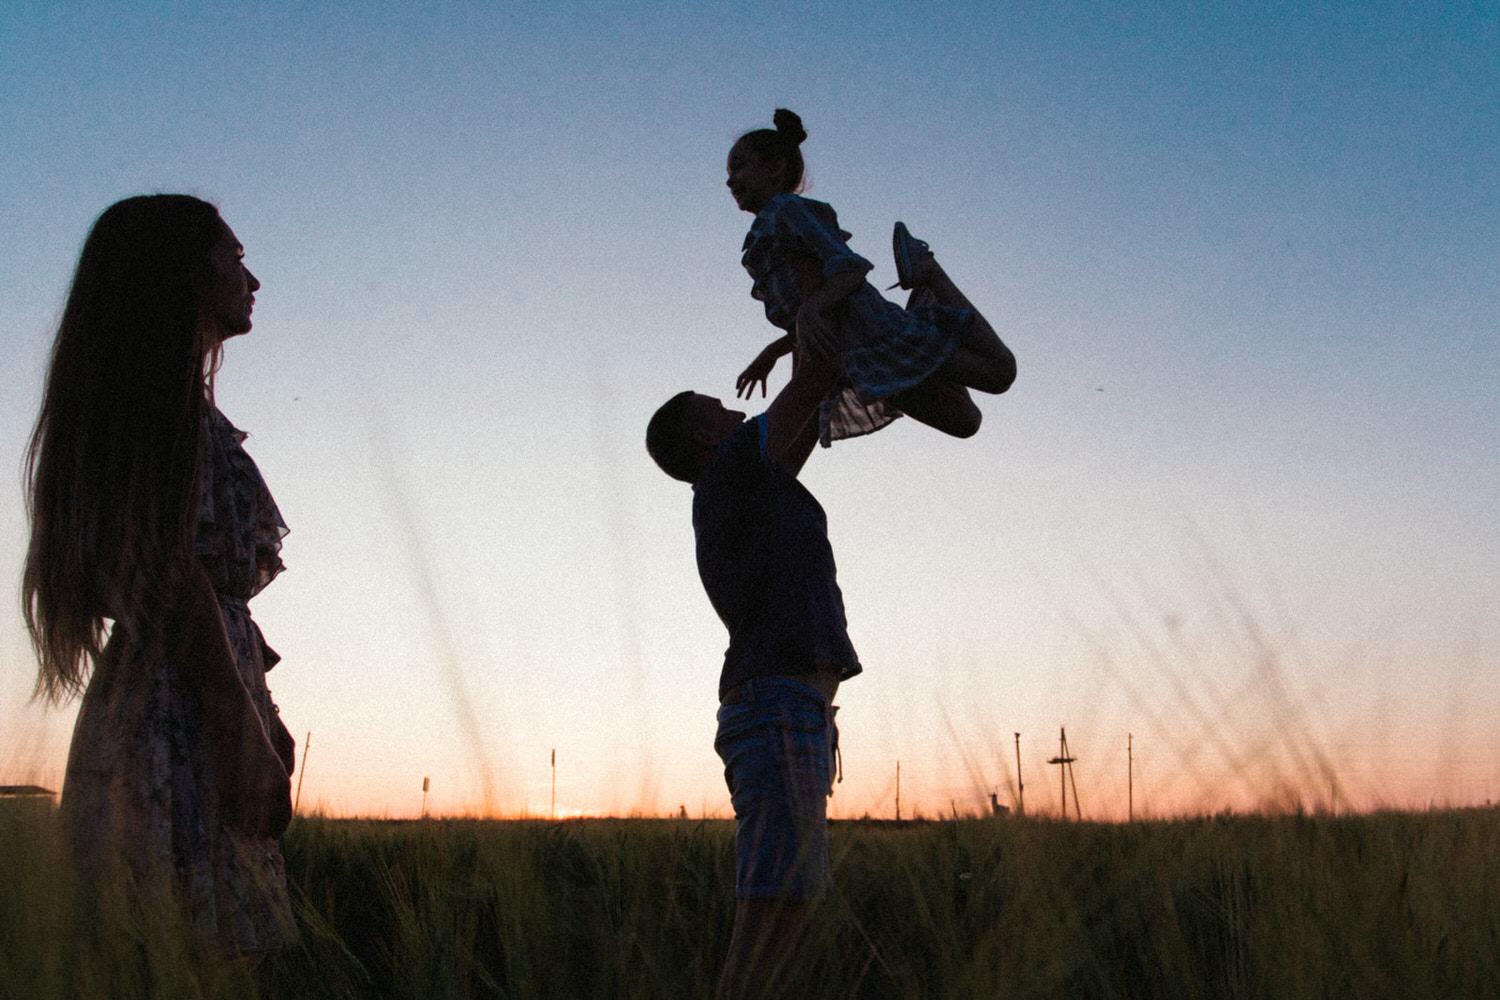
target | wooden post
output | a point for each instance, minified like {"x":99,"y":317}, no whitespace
{"x":1020,"y":783}
{"x":306,"y":746}
{"x":898,"y":791}
{"x":1130,"y":776}
{"x":1064,"y":762}
{"x":1062,"y":772}
{"x":1072,"y":778}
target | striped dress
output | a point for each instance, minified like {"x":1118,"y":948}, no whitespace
{"x":795,"y":243}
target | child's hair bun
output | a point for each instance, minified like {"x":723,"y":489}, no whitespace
{"x":789,"y":125}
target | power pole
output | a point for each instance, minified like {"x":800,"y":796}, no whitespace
{"x":1130,"y":776}
{"x":1020,"y":784}
{"x":898,"y":791}
{"x":1064,"y":762}
{"x":306,"y":746}
{"x":554,"y":782}
{"x":1072,"y":778}
{"x":425,"y":782}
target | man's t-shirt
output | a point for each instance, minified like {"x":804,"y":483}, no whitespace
{"x":765,"y":561}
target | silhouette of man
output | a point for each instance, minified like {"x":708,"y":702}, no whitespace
{"x":765,"y":562}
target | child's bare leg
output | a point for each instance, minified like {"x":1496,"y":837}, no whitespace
{"x":941,"y":403}
{"x":981,"y":361}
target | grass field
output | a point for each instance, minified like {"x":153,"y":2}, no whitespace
{"x":1385,"y":905}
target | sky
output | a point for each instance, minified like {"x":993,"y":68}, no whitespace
{"x":1238,"y":511}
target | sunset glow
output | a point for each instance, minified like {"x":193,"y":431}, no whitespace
{"x":1240,"y":506}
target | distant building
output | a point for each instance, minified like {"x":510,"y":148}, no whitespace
{"x":25,"y":792}
{"x":26,"y":798}
{"x":996,"y":809}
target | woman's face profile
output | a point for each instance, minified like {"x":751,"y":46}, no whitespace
{"x":230,"y":296}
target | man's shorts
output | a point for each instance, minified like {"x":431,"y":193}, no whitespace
{"x":777,"y":739}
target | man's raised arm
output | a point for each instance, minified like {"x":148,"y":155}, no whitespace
{"x":792,"y":418}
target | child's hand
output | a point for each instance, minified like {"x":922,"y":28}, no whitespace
{"x":758,"y":371}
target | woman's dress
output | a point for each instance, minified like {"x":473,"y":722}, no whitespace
{"x":139,"y":787}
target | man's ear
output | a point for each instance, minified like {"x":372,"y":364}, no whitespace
{"x":703,"y":437}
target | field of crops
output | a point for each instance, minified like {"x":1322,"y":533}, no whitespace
{"x":1388,"y":905}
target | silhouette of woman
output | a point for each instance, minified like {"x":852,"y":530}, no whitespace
{"x":921,"y":360}
{"x":150,"y":530}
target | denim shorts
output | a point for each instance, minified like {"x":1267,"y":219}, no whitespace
{"x":778,"y":740}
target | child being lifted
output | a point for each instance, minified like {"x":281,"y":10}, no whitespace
{"x":921,"y":360}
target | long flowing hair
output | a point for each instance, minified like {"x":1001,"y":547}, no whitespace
{"x":112,"y":466}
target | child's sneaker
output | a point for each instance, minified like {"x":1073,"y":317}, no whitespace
{"x":909,"y":252}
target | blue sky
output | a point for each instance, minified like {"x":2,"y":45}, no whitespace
{"x":1246,"y":257}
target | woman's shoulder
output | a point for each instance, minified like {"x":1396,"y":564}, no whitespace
{"x":221,"y":426}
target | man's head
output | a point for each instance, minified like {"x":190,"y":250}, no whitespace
{"x":685,"y":432}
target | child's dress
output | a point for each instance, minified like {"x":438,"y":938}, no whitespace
{"x":886,"y":349}
{"x":139,"y":787}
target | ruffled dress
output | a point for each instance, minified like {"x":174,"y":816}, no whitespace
{"x":139,"y":788}
{"x":794,"y":242}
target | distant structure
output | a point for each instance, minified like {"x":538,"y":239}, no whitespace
{"x":1020,"y":782}
{"x":1064,"y":762}
{"x":996,"y":809}
{"x":302,"y":772}
{"x":26,"y":798}
{"x":25,"y":792}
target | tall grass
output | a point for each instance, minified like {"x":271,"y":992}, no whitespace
{"x":1386,"y":905}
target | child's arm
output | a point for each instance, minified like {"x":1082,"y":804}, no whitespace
{"x":760,"y":368}
{"x":813,"y":227}
{"x":812,"y":317}
{"x":829,"y":272}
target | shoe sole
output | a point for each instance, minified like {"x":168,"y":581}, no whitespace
{"x":902,"y":242}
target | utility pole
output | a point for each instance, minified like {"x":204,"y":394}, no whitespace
{"x":1130,"y":776}
{"x":1020,"y":784}
{"x":425,"y":782}
{"x":554,"y":782}
{"x":1064,"y":762}
{"x":898,"y":791}
{"x":1072,"y":779}
{"x":306,"y":746}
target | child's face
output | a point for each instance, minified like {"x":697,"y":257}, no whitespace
{"x":752,"y":180}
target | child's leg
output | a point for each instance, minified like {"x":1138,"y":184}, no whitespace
{"x":941,"y":403}
{"x":982,"y":361}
